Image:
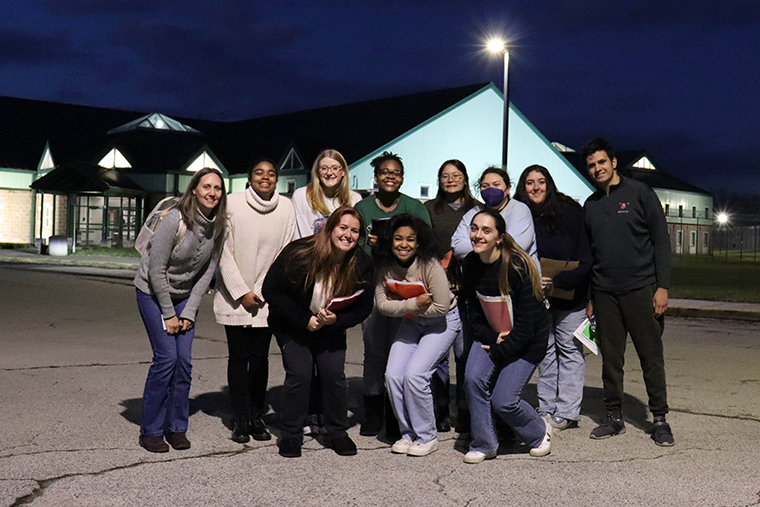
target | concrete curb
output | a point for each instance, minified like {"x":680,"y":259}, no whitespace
{"x":63,"y":261}
{"x":713,"y":313}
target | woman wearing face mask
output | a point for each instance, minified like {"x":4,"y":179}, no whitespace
{"x":561,"y":235}
{"x":407,"y":253}
{"x":174,"y":274}
{"x":327,"y":191}
{"x":299,"y":287}
{"x":501,"y":363}
{"x":494,"y":189}
{"x":452,"y":201}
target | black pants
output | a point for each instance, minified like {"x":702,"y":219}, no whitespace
{"x":619,"y":314}
{"x":299,"y":357}
{"x":248,"y":368}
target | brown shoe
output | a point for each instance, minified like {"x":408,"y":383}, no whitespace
{"x":153,"y":444}
{"x":178,"y":440}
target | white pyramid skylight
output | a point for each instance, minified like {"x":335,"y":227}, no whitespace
{"x":155,"y":121}
{"x":644,"y":163}
{"x":203,"y":160}
{"x":114,"y":158}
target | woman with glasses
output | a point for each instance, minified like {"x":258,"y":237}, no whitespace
{"x":327,"y":191}
{"x":453,"y":200}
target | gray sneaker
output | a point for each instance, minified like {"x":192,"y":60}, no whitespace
{"x":609,"y":428}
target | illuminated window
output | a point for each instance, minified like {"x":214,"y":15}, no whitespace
{"x":644,"y":163}
{"x":113,"y":159}
{"x":203,"y":160}
{"x":47,"y":160}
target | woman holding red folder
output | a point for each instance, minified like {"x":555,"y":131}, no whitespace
{"x":299,"y":287}
{"x":503,"y":355}
{"x":412,"y":285}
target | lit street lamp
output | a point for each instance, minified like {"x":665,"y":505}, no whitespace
{"x":498,"y":46}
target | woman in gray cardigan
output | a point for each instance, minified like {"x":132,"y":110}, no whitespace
{"x":174,"y":274}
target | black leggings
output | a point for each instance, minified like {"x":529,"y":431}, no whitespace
{"x":248,"y":368}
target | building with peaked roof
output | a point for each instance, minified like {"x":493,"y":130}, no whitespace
{"x":688,"y":208}
{"x":91,"y":174}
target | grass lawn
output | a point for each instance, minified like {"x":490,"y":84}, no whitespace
{"x":715,"y":280}
{"x":107,"y":251}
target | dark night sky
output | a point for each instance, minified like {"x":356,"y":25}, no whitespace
{"x":677,"y":78}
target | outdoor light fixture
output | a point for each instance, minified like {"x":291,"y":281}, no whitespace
{"x":499,"y":46}
{"x":722,"y":218}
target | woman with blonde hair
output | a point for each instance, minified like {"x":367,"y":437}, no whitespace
{"x":508,"y":326}
{"x":326,"y":192}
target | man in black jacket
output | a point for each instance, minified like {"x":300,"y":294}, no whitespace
{"x":630,"y":280}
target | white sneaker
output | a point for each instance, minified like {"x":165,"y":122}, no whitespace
{"x":478,"y":457}
{"x":545,"y":447}
{"x":401,"y":446}
{"x":420,"y":449}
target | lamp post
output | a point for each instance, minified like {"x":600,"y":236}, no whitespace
{"x":498,"y":46}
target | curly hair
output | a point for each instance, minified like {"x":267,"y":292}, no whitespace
{"x":378,"y":161}
{"x":427,"y":245}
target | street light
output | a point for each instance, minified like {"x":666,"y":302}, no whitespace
{"x":722,"y":218}
{"x":498,"y":46}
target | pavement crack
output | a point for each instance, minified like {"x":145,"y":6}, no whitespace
{"x":721,"y":416}
{"x":97,"y":365}
{"x":44,"y":484}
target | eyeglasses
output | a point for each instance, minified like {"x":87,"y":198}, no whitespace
{"x":331,"y":169}
{"x":386,"y":172}
{"x":452,"y":177}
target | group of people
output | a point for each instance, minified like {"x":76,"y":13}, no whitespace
{"x":454,"y":273}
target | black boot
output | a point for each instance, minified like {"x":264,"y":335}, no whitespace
{"x":373,"y":416}
{"x":463,"y":420}
{"x":392,"y":432}
{"x":442,"y":419}
{"x":240,"y":429}
{"x":257,"y":428}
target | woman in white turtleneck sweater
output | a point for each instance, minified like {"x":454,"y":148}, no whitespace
{"x":261,"y":223}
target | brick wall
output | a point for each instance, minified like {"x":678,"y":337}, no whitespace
{"x":16,"y":216}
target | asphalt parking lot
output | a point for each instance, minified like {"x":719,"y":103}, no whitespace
{"x":74,"y":359}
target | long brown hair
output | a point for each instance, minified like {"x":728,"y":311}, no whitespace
{"x":314,"y":255}
{"x":315,"y":194}
{"x":468,"y":201}
{"x":188,"y":204}
{"x":510,"y":250}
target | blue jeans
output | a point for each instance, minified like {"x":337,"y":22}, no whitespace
{"x":419,"y":346}
{"x":165,"y":403}
{"x":562,"y":372}
{"x":490,"y":387}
